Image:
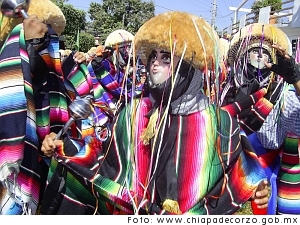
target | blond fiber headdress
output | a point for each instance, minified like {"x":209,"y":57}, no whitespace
{"x":45,"y":10}
{"x":257,"y":35}
{"x":118,"y":37}
{"x":186,"y":29}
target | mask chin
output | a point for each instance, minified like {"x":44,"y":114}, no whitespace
{"x":258,"y":65}
{"x":158,"y":78}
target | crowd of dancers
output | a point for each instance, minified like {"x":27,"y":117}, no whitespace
{"x":170,"y":120}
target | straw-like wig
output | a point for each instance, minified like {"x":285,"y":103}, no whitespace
{"x":184,"y":29}
{"x":257,"y":35}
{"x":43,"y":9}
{"x":118,"y":37}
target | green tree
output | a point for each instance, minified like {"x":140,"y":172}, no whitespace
{"x":119,"y":14}
{"x":86,"y":41}
{"x":258,"y":4}
{"x":59,"y":2}
{"x":75,"y":21}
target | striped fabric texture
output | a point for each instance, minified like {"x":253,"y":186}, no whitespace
{"x":289,"y":177}
{"x":25,"y":119}
{"x":19,"y":140}
{"x":215,"y":175}
{"x":280,"y":135}
{"x":107,"y":91}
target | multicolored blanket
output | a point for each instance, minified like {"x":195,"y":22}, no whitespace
{"x":81,"y":81}
{"x":19,"y":140}
{"x":281,"y":167}
{"x":216,"y":174}
{"x":288,"y":183}
{"x":33,"y":103}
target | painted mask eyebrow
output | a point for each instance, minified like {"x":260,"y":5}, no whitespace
{"x":164,"y":55}
{"x":164,"y":51}
{"x":260,"y":51}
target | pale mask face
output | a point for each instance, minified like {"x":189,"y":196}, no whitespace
{"x":258,"y":57}
{"x":160,"y":66}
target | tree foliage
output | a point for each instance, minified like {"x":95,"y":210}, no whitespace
{"x":59,"y":2}
{"x":86,"y":41}
{"x":75,"y":21}
{"x":119,"y":14}
{"x":104,"y":19}
{"x":275,"y":4}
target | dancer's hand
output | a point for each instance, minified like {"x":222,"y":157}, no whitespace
{"x":286,"y":65}
{"x":79,"y":57}
{"x":49,"y":144}
{"x":34,"y":27}
{"x":260,"y":196}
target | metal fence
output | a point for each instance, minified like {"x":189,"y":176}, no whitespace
{"x":283,"y":16}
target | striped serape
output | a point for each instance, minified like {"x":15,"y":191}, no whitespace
{"x":210,"y":171}
{"x":33,"y":103}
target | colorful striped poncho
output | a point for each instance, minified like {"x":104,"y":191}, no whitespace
{"x":288,"y":182}
{"x":32,"y":105}
{"x":208,"y":171}
{"x":277,"y":146}
{"x":19,"y":140}
{"x":102,"y":84}
{"x":208,"y":166}
{"x":282,"y":168}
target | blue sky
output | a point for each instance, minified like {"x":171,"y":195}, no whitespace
{"x":198,"y":7}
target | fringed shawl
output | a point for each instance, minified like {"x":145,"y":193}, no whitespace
{"x":215,"y":175}
{"x":25,"y":119}
{"x":101,"y":84}
{"x":204,"y":164}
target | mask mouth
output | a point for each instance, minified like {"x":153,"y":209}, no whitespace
{"x":158,"y":77}
{"x":150,"y":83}
{"x":259,"y":64}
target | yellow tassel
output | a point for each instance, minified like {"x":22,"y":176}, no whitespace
{"x":171,"y":206}
{"x":149,"y":132}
